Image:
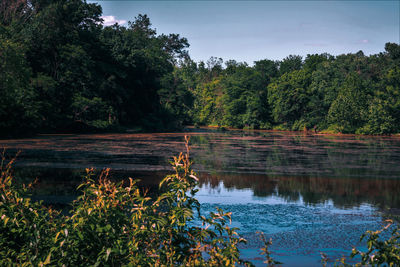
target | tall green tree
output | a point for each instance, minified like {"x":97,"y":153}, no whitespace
{"x":347,"y":112}
{"x":290,"y":63}
{"x":17,"y":109}
{"x":288,"y":96}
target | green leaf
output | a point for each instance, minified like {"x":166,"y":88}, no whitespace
{"x":47,"y":261}
{"x":6,"y":220}
{"x":108,"y":253}
{"x":56,"y":237}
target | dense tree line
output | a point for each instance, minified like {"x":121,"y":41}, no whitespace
{"x":61,"y":69}
{"x":350,"y":93}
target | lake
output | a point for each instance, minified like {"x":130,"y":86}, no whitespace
{"x":310,"y":193}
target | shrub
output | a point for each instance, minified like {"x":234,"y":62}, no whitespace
{"x":380,"y":251}
{"x":26,"y":227}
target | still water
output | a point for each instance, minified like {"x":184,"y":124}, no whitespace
{"x":310,"y":193}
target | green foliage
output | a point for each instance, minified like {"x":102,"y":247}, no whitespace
{"x":290,"y":63}
{"x":380,"y":251}
{"x":176,"y":97}
{"x":312,"y":62}
{"x":383,"y":111}
{"x":93,"y":112}
{"x":268,"y":69}
{"x":349,"y":93}
{"x":236,"y":99}
{"x":288,"y":96}
{"x":17,"y":109}
{"x":68,"y":70}
{"x":348,"y":109}
{"x":281,"y":127}
{"x":25,"y":226}
{"x":208,"y":103}
{"x":244,"y":98}
{"x":379,"y":119}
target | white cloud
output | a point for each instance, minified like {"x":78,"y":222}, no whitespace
{"x":111,"y":20}
{"x":364,"y":41}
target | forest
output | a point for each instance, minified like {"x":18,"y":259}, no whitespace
{"x":62,"y":70}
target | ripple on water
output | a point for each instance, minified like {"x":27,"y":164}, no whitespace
{"x":299,"y":231}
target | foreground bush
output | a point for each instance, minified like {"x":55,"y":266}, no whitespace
{"x":115,"y":224}
{"x":380,"y":251}
{"x":26,"y":227}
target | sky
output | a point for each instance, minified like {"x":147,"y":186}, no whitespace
{"x":254,"y":30}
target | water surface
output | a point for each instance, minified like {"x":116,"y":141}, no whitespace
{"x":310,"y":193}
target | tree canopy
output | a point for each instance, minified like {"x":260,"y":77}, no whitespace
{"x":69,"y":72}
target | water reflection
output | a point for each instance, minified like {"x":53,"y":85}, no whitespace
{"x":347,"y":169}
{"x":343,"y":192}
{"x":241,"y":188}
{"x":299,"y":154}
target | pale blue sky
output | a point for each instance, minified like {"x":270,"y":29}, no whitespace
{"x":254,"y":30}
